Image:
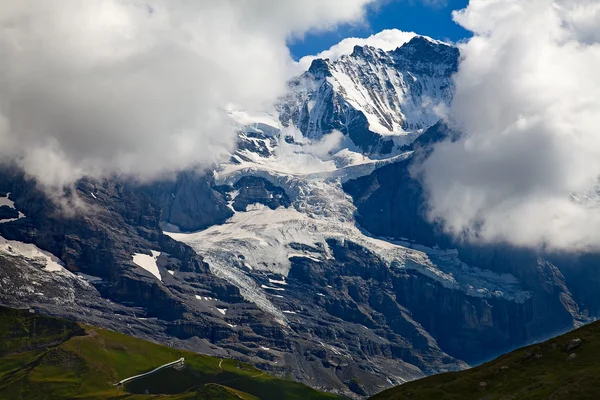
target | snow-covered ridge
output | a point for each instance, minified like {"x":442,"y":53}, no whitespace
{"x":398,"y":93}
{"x":386,"y":40}
{"x":394,"y":101}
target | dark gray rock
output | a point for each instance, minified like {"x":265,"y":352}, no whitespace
{"x":466,"y":327}
{"x":252,"y":190}
{"x":8,"y":213}
{"x":189,"y":201}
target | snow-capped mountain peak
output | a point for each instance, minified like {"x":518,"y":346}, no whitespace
{"x":380,"y":99}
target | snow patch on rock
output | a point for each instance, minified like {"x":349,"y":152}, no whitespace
{"x":6,"y":201}
{"x":32,"y":253}
{"x":148,"y":263}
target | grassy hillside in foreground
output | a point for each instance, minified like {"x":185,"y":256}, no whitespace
{"x":49,"y":358}
{"x":564,"y":368}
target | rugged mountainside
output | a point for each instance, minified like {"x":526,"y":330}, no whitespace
{"x":94,"y":277}
{"x":562,"y":368}
{"x":381,"y":100}
{"x":49,"y":358}
{"x":189,"y":201}
{"x":390,"y":203}
{"x":370,"y":302}
{"x":307,"y":257}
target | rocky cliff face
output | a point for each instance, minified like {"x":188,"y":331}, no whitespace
{"x":322,"y":340}
{"x":96,"y":278}
{"x":189,"y":201}
{"x":390,"y":203}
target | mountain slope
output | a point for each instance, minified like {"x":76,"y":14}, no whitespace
{"x":48,"y":358}
{"x":391,"y":203}
{"x":563,"y":368}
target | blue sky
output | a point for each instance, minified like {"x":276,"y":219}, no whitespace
{"x":419,"y":16}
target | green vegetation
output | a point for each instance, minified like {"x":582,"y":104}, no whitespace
{"x":48,"y":358}
{"x":566,"y":367}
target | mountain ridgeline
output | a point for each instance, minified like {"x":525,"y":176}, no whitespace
{"x":562,"y":368}
{"x":373,"y":96}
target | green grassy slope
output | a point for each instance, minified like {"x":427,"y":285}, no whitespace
{"x":564,"y":368}
{"x":49,"y":358}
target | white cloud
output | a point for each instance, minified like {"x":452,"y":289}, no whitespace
{"x":306,"y":156}
{"x":389,"y":39}
{"x":528,"y":102}
{"x":139,"y":87}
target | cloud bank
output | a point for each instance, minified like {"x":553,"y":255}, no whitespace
{"x":138,"y":87}
{"x":526,"y":171}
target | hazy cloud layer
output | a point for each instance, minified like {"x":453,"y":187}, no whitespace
{"x":528,"y":101}
{"x":138,"y":87}
{"x":436,"y":3}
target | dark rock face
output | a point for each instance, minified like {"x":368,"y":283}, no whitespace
{"x":390,"y":203}
{"x":412,"y":307}
{"x":350,"y":303}
{"x":423,"y":56}
{"x":251,"y":190}
{"x":189,"y":201}
{"x":8,"y":213}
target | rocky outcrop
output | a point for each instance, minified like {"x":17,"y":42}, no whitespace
{"x":97,"y":241}
{"x":416,"y":309}
{"x":254,"y":190}
{"x":189,"y":201}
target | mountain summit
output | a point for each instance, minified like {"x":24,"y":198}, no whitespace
{"x":380,"y":99}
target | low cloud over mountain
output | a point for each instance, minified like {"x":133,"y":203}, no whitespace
{"x":138,"y":87}
{"x":527,"y":99}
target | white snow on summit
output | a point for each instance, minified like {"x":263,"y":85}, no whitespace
{"x":401,"y":93}
{"x":387,"y":101}
{"x":386,"y":40}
